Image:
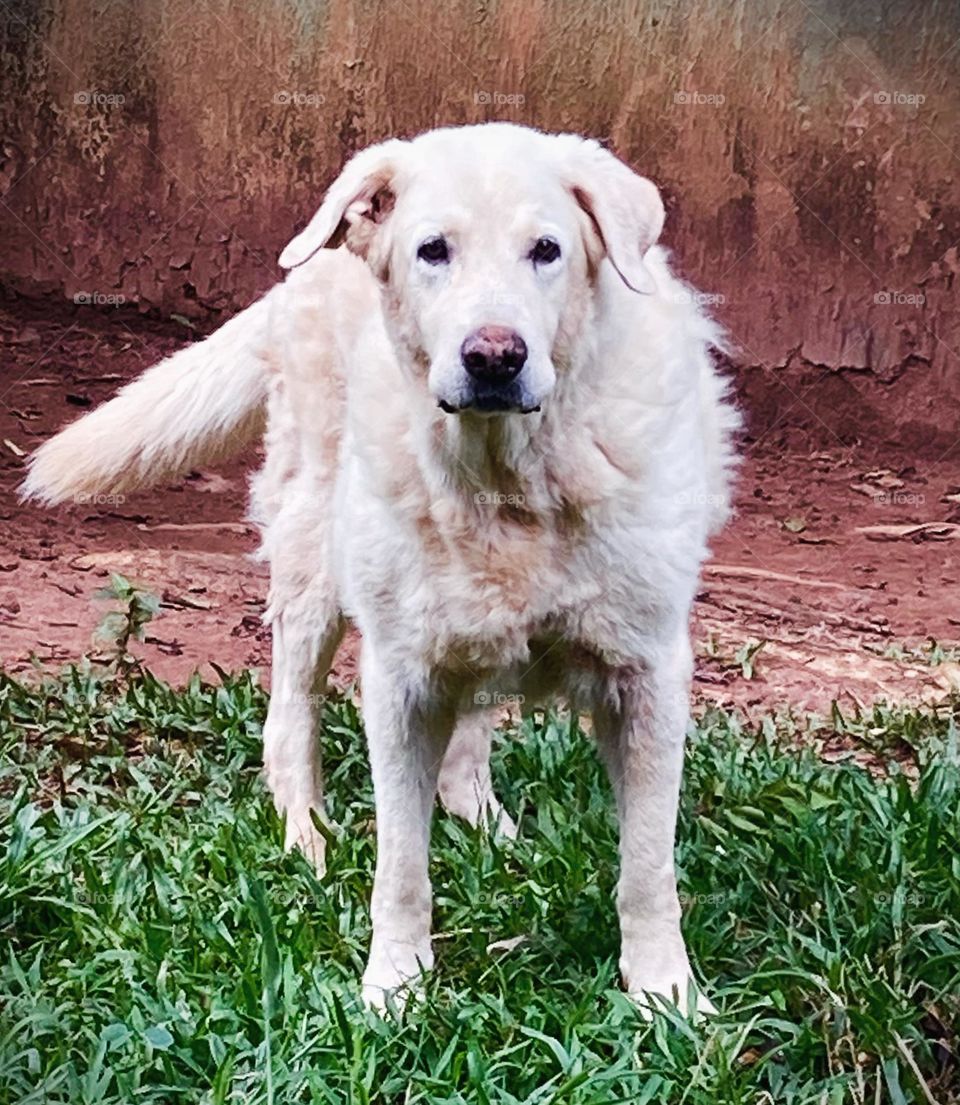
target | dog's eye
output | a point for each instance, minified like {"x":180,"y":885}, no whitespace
{"x":434,"y":251}
{"x":545,"y":251}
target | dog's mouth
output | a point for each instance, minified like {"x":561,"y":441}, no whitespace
{"x":510,"y":400}
{"x":492,"y":405}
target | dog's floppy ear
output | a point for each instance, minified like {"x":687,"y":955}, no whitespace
{"x":625,"y":208}
{"x":361,"y":192}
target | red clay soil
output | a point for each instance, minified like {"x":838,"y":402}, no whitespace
{"x":842,"y":563}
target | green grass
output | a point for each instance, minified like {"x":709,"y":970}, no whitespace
{"x":158,"y":946}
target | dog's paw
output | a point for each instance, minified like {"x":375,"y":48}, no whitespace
{"x":303,"y":834}
{"x":500,"y":821}
{"x":394,"y":999}
{"x":665,"y":985}
{"x":494,"y":819}
{"x":477,"y":807}
{"x":394,"y":974}
{"x":649,"y":1000}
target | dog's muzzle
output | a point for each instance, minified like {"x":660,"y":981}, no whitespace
{"x":493,"y":357}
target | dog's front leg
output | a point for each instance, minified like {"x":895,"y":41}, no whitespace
{"x":640,"y":726}
{"x":408,"y":727}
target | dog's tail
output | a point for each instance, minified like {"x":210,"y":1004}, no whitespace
{"x":200,"y":404}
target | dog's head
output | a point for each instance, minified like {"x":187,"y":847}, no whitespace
{"x":487,"y":241}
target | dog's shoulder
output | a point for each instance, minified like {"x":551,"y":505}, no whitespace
{"x":333,"y":293}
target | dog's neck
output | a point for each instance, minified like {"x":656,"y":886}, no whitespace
{"x":524,"y":466}
{"x":494,"y":455}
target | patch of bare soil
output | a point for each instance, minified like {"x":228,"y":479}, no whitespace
{"x":839,"y":567}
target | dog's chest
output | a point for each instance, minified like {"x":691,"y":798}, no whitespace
{"x":493,"y":592}
{"x":478,"y":587}
{"x":474,"y":587}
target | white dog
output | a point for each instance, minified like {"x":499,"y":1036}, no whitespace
{"x":497,"y":442}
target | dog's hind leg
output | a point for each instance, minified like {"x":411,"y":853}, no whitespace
{"x":305,"y":639}
{"x":464,"y":785}
{"x":307,"y":626}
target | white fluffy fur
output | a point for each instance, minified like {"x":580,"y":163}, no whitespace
{"x":201,"y":403}
{"x":554,"y":552}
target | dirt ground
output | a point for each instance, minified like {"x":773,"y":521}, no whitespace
{"x":841,"y":563}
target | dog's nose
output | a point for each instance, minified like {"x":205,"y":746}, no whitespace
{"x":494,"y":354}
